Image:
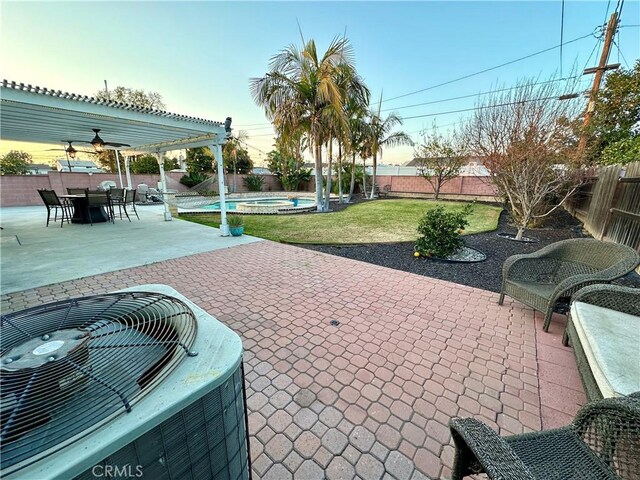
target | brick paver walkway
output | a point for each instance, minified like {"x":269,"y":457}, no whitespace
{"x":371,"y":396}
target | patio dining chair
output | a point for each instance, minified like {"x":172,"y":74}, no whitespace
{"x":52,"y":202}
{"x":603,"y":442}
{"x":76,"y":191}
{"x":98,"y":199}
{"x":117,"y":199}
{"x":130,"y":199}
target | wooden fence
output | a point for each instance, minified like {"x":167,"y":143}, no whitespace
{"x":609,"y":204}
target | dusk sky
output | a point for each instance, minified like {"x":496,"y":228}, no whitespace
{"x":200,"y":55}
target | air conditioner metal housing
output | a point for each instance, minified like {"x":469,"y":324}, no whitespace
{"x":191,"y":425}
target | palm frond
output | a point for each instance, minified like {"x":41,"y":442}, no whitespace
{"x":397,"y":139}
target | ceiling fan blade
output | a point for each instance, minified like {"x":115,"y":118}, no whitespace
{"x":65,"y":150}
{"x":115,"y":144}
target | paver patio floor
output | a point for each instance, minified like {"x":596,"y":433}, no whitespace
{"x":371,"y":397}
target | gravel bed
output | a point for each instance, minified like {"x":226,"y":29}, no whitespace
{"x":486,"y":275}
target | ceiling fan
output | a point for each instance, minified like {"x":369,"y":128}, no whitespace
{"x":99,"y":144}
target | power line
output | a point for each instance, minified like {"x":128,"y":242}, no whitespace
{"x":480,"y":93}
{"x":257,"y":128}
{"x":481,"y":107}
{"x":562,"y":34}
{"x":264,"y":135}
{"x":606,"y":13}
{"x":251,"y":146}
{"x":487,"y":69}
{"x":621,"y":54}
{"x":249,"y":124}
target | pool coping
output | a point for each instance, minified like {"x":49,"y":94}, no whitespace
{"x":263,"y":196}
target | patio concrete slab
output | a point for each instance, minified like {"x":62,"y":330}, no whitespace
{"x":34,"y":255}
{"x":371,"y":396}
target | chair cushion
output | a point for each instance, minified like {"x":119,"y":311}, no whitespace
{"x":611,"y":343}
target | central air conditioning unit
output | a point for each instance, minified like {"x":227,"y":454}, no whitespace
{"x":139,"y":383}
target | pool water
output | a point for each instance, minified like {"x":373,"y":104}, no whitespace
{"x":231,"y":204}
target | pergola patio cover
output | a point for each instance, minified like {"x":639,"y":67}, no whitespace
{"x":41,"y":115}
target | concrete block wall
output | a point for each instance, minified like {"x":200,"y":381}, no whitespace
{"x":18,"y":190}
{"x":22,"y":189}
{"x":471,"y":186}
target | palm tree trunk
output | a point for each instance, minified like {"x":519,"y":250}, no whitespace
{"x":364,"y":177}
{"x":373,"y":175}
{"x":318,"y":178}
{"x":327,"y":194}
{"x":235,"y":181}
{"x":340,"y":172}
{"x":353,"y":176}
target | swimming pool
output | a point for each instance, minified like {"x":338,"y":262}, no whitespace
{"x":259,"y":205}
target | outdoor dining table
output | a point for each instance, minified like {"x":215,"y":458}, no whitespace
{"x":97,"y":212}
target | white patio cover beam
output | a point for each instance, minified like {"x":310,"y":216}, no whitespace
{"x":40,"y":115}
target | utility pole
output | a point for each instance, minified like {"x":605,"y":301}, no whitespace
{"x":597,"y":79}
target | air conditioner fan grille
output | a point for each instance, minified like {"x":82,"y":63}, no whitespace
{"x":69,"y":366}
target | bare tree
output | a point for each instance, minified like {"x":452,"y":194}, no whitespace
{"x":440,"y":158}
{"x":138,"y":98}
{"x":519,"y":133}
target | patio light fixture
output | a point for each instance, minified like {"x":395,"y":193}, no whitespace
{"x":97,"y":142}
{"x":71,"y":151}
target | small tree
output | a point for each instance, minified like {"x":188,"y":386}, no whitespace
{"x":15,"y":163}
{"x":614,"y":131}
{"x":236,"y":159}
{"x":520,"y":134}
{"x":199,"y":160}
{"x":440,"y":159}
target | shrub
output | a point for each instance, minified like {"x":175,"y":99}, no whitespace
{"x":440,"y":231}
{"x":193,"y":178}
{"x":254,"y":182}
{"x":235,"y":220}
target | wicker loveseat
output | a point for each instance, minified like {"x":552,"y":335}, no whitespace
{"x":603,"y":442}
{"x":558,"y":270}
{"x":604,"y":331}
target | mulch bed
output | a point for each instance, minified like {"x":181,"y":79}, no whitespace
{"x":486,"y":275}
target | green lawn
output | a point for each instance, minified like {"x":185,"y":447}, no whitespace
{"x":377,"y":221}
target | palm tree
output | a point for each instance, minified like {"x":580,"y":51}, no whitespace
{"x":356,"y":95}
{"x":357,"y":135}
{"x":302,"y":91}
{"x":232,"y":148}
{"x":380,"y":135}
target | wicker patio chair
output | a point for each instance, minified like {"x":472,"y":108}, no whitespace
{"x":52,"y":202}
{"x":612,"y":297}
{"x":558,"y":270}
{"x":603,"y":442}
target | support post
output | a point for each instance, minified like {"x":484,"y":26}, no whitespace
{"x":163,"y":182}
{"x":217,"y":153}
{"x":119,"y":169}
{"x":127,"y":170}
